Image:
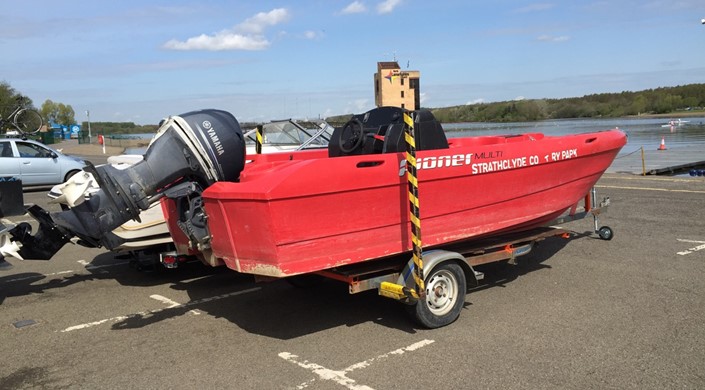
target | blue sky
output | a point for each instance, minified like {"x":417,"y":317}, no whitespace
{"x":144,"y":60}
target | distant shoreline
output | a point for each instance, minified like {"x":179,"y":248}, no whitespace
{"x":675,"y":114}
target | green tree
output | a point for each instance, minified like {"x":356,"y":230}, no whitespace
{"x":9,"y":100}
{"x":639,"y":105}
{"x":58,"y":113}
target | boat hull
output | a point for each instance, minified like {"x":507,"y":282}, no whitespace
{"x":294,"y":213}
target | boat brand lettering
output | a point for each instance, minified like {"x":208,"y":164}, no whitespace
{"x":562,"y":155}
{"x":486,"y":155}
{"x":499,"y":165}
{"x":214,"y":137}
{"x":456,"y":160}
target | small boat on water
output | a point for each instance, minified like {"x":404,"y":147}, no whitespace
{"x":675,"y":123}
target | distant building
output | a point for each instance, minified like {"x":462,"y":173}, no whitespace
{"x":397,"y":88}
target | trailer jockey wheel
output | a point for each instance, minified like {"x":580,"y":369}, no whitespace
{"x":352,"y":136}
{"x":445,"y":296}
{"x":605,"y":233}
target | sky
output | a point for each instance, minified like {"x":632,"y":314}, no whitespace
{"x":142,"y":61}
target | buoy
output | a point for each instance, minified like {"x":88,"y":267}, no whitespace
{"x":663,"y":144}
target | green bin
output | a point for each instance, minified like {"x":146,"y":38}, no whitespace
{"x":47,"y":137}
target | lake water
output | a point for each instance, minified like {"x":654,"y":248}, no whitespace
{"x":641,"y":132}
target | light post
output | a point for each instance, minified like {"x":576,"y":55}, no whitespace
{"x":88,"y":114}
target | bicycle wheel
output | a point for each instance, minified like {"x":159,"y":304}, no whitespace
{"x":28,"y":121}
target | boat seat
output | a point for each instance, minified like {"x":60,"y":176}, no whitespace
{"x":384,"y":130}
{"x":428,"y":131}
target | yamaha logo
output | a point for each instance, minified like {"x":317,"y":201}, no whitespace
{"x":207,"y":125}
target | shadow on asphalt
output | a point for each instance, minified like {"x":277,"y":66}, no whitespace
{"x":282,"y":311}
{"x":274,"y":309}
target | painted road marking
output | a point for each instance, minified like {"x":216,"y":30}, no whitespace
{"x":89,"y":266}
{"x":646,"y":178}
{"x":171,"y":303}
{"x":82,"y":262}
{"x":340,"y":377}
{"x":651,"y":189}
{"x":38,"y":276}
{"x":153,"y":312}
{"x":693,"y":249}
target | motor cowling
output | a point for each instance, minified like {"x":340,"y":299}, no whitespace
{"x":201,"y":146}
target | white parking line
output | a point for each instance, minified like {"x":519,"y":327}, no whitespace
{"x":340,"y":377}
{"x":651,"y":189}
{"x":89,"y":266}
{"x":152,"y":312}
{"x":85,"y":263}
{"x":693,"y":249}
{"x":171,"y":303}
{"x":38,"y":276}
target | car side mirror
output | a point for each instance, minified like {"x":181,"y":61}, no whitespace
{"x":53,"y":155}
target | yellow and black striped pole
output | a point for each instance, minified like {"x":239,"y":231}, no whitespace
{"x":258,"y":144}
{"x":414,"y":213}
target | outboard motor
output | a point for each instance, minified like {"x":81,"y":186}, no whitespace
{"x":200,"y":147}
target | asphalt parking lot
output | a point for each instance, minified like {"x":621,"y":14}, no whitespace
{"x":582,"y":313}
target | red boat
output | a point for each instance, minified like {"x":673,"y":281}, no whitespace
{"x":342,"y":212}
{"x":306,"y":211}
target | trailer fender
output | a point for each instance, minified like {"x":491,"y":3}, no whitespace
{"x":433,"y":258}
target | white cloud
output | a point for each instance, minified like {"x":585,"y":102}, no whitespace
{"x":258,"y":23}
{"x":355,"y":7}
{"x":387,"y":6}
{"x":244,"y":36}
{"x":476,"y":101}
{"x":223,"y":40}
{"x":550,"y":38}
{"x":519,"y":98}
{"x":312,"y":34}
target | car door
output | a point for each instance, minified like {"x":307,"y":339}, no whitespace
{"x":9,"y":164}
{"x":37,"y":165}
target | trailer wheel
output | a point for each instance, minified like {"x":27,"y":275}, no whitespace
{"x":605,"y":233}
{"x":445,"y":295}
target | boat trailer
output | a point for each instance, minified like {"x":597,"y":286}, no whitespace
{"x":449,"y":269}
{"x":434,"y":281}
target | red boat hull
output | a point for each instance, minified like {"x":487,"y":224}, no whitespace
{"x":300,"y":212}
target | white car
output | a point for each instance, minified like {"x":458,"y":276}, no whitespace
{"x":35,"y":163}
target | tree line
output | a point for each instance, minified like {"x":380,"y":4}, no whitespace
{"x":114,"y":128}
{"x":651,"y":101}
{"x":605,"y":105}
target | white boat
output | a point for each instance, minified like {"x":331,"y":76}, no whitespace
{"x":675,"y":123}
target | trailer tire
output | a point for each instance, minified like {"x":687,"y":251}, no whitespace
{"x":445,"y":296}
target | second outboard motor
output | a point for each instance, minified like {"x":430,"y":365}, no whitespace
{"x":200,"y":146}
